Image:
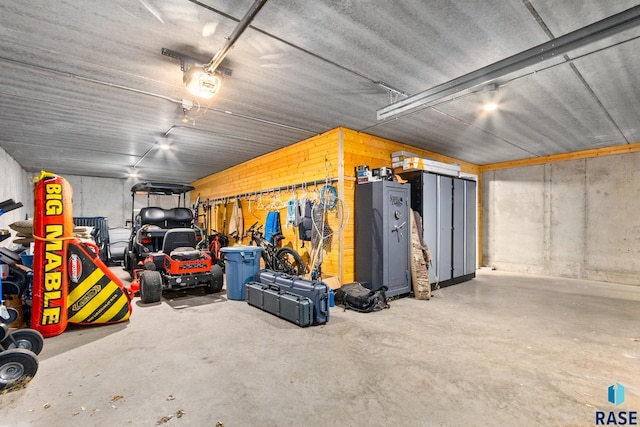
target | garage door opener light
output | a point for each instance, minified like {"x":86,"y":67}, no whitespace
{"x":202,"y":83}
{"x":205,"y":81}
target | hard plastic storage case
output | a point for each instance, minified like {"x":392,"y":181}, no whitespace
{"x":316,"y":291}
{"x":294,"y":308}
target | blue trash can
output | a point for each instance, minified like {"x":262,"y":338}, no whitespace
{"x":241,"y":264}
{"x":27,"y":260}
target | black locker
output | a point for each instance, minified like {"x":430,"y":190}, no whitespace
{"x":382,"y":236}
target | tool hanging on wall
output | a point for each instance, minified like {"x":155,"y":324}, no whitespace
{"x":216,"y":217}
{"x":236,"y":223}
{"x":196,"y":209}
{"x":208,"y":217}
{"x":205,"y":221}
{"x":319,"y":231}
{"x":272,"y":192}
{"x":224,"y":217}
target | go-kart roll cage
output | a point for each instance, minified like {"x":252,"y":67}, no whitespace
{"x":159,"y":188}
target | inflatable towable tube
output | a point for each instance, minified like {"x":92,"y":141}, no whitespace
{"x":52,"y":225}
{"x":71,"y":284}
{"x":95,"y":294}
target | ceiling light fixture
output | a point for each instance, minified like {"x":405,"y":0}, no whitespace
{"x":163,"y":143}
{"x":202,"y":83}
{"x":490,"y":107}
{"x":163,"y":140}
{"x":492,"y":104}
{"x":205,"y":82}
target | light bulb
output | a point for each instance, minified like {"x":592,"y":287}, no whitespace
{"x":201,"y":83}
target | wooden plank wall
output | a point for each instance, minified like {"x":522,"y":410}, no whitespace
{"x":314,"y":159}
{"x":335,"y":154}
{"x":364,"y":149}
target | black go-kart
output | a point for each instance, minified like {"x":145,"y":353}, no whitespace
{"x":166,"y":250}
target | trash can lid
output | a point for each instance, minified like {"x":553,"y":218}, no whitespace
{"x":241,"y":249}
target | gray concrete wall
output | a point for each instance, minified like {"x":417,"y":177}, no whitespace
{"x":578,"y":219}
{"x":15,"y":183}
{"x":111,"y":198}
{"x":91,"y":196}
{"x":107,"y":197}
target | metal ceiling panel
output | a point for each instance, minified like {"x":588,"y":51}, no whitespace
{"x":410,"y":45}
{"x":556,"y":98}
{"x":617,"y":87}
{"x":85,"y":89}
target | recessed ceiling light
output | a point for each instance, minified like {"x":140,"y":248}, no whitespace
{"x":490,"y":107}
{"x":163,"y":143}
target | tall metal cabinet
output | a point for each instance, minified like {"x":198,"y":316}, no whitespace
{"x":383,"y":236}
{"x":448,"y":208}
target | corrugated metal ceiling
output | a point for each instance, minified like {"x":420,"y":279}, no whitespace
{"x":85,"y":89}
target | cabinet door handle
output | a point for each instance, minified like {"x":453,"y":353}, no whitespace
{"x":398,"y":227}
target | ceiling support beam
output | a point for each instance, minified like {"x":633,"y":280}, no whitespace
{"x":545,"y":51}
{"x":532,"y":10}
{"x":242,"y":25}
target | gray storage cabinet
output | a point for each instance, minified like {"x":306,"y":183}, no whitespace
{"x":383,"y":236}
{"x":448,"y":209}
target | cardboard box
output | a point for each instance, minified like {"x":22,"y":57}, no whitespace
{"x":331,"y":281}
{"x":399,"y":156}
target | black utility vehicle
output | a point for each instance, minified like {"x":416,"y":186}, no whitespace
{"x":166,"y":250}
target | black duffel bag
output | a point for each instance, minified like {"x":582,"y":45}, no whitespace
{"x":356,"y":297}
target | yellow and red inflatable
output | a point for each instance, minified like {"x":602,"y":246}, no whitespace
{"x":70,"y":282}
{"x":95,"y":294}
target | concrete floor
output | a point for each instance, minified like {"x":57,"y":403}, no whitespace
{"x":500,"y":350}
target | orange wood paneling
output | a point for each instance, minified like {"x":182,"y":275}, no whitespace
{"x":313,"y":159}
{"x":364,"y":149}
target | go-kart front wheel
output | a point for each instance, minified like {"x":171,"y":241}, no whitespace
{"x":150,"y":286}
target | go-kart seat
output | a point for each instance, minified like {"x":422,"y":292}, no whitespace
{"x":180,"y":244}
{"x":153,"y":216}
{"x":179,"y":218}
